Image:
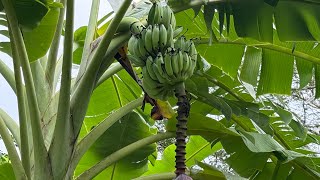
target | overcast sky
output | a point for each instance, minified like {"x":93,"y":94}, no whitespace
{"x":8,"y":101}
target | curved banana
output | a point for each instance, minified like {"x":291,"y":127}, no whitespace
{"x":177,"y":31}
{"x":151,"y":14}
{"x":155,"y":37}
{"x":166,"y":16}
{"x":180,"y":61}
{"x":167,"y":65}
{"x":131,"y":44}
{"x":179,"y":43}
{"x":186,"y":62}
{"x":193,"y":51}
{"x":170,"y":36}
{"x":137,"y":61}
{"x":149,"y":64}
{"x":156,"y":71}
{"x":175,"y":64}
{"x":163,"y":36}
{"x":142,"y":49}
{"x":148,"y":39}
{"x":160,"y":64}
{"x":149,"y":82}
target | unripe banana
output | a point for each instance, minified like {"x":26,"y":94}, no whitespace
{"x":155,"y":37}
{"x":137,"y":61}
{"x":193,"y":51}
{"x":156,"y":71}
{"x":148,"y":39}
{"x":170,"y":36}
{"x":167,"y":65}
{"x":148,"y":80}
{"x":142,"y":49}
{"x":134,"y":50}
{"x":149,"y":63}
{"x":187,"y":46}
{"x":166,"y":16}
{"x":157,"y":14}
{"x":131,"y":44}
{"x":180,"y":61}
{"x":177,"y":31}
{"x":151,"y":14}
{"x":175,"y":64}
{"x":179,"y":43}
{"x":192,"y":66}
{"x":160,"y":64}
{"x":163,"y":36}
{"x":173,"y":21}
{"x":186,"y":62}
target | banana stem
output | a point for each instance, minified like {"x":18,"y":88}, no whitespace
{"x":181,"y":132}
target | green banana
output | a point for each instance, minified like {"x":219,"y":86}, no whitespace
{"x":137,"y":61}
{"x":192,"y":66}
{"x":157,"y":14}
{"x":177,"y":31}
{"x":175,"y":64}
{"x":148,"y":80}
{"x":180,"y":61}
{"x":151,"y":14}
{"x":173,"y":21}
{"x":131,"y":44}
{"x":148,"y":39}
{"x":186,"y":62}
{"x":163,"y":36}
{"x":137,"y":49}
{"x":193,"y":51}
{"x":155,"y":37}
{"x":166,"y":17}
{"x":149,"y":63}
{"x":156,"y":71}
{"x":170,"y":36}
{"x":160,"y":64}
{"x":179,"y":43}
{"x":142,"y":49}
{"x":167,"y":65}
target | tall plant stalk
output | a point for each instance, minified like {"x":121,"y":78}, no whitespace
{"x":42,"y":165}
{"x":63,"y":137}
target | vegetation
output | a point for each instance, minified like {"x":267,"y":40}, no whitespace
{"x":92,"y":126}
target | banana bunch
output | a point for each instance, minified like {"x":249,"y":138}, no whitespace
{"x":161,"y":74}
{"x":159,"y":14}
{"x":153,"y":39}
{"x":165,"y":62}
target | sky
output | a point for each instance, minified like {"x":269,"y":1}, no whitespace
{"x":8,"y":101}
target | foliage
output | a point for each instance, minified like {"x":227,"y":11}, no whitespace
{"x":92,"y":126}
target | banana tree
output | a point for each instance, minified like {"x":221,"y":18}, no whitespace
{"x":92,"y":126}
